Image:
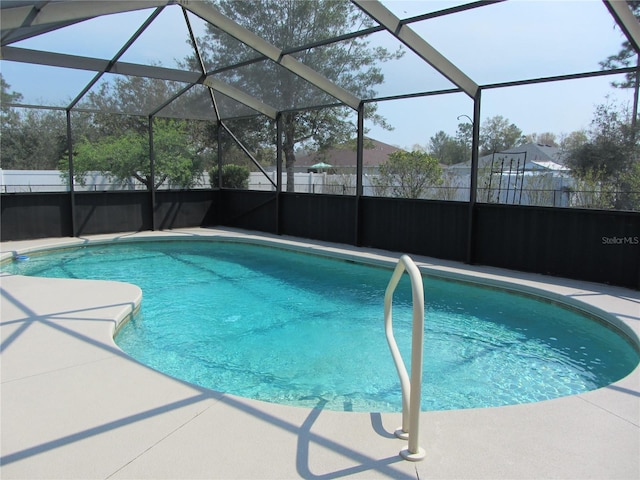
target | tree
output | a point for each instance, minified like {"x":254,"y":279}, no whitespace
{"x":408,"y":174}
{"x":115,"y":99}
{"x":444,"y":148}
{"x":38,"y":143}
{"x":449,"y":150}
{"x":633,"y":180}
{"x":573,"y":140}
{"x":351,"y":63}
{"x":497,"y":135}
{"x":545,"y":138}
{"x":10,"y":121}
{"x":439,"y":146}
{"x":32,"y":139}
{"x":233,"y":176}
{"x":263,"y":152}
{"x":607,"y":159}
{"x":117,"y":144}
{"x":7,"y":96}
{"x":126,"y":155}
{"x":464,"y":137}
{"x":626,"y":57}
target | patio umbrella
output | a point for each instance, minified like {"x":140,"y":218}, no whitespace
{"x":321,"y":165}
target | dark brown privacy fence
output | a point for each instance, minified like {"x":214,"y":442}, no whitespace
{"x":595,"y":245}
{"x":35,"y":215}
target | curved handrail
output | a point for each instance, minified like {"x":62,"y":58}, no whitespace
{"x":411,"y":388}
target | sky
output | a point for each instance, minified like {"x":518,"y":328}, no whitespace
{"x":509,"y":41}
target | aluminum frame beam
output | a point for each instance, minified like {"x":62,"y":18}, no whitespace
{"x":22,"y":20}
{"x":624,"y":17}
{"x":53,"y":15}
{"x":62,"y":60}
{"x":26,"y":19}
{"x":241,"y":97}
{"x":217,"y":19}
{"x":415,"y":42}
{"x":161,"y":73}
{"x":64,"y":12}
{"x":118,"y":55}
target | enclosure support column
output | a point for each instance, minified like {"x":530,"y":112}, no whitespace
{"x":278,"y":169}
{"x":636,"y":88}
{"x":219,"y":136}
{"x":359,"y":169}
{"x":72,"y":193}
{"x":473,"y":184}
{"x":634,"y":122}
{"x":152,"y":175}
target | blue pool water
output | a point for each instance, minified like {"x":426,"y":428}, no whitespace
{"x":298,"y":329}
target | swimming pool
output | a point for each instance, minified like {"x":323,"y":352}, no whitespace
{"x":303,"y":330}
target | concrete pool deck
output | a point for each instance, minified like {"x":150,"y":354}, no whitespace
{"x":74,"y":406}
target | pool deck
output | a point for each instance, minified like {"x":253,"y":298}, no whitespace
{"x":74,"y":406}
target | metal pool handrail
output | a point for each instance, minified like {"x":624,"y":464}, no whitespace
{"x":411,"y":389}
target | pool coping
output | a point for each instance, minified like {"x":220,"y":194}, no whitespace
{"x":129,"y":421}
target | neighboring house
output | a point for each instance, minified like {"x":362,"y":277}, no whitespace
{"x":530,"y":174}
{"x":531,"y":157}
{"x":342,"y":158}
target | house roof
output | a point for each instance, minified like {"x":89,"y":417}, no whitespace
{"x":375,"y":153}
{"x":535,"y":152}
{"x":536,"y":155}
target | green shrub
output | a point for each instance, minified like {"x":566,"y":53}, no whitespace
{"x":233,"y":176}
